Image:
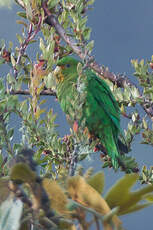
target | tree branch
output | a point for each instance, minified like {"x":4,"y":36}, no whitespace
{"x":120,"y":80}
{"x":46,"y":92}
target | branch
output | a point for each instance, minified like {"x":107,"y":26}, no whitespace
{"x":53,"y":21}
{"x":74,"y":161}
{"x":120,"y":80}
{"x":31,"y":35}
{"x":46,"y":92}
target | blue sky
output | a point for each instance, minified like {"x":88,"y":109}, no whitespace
{"x":122,"y":30}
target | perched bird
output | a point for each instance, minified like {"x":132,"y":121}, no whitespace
{"x":89,"y":103}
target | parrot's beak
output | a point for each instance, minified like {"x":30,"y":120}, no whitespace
{"x":58,"y":73}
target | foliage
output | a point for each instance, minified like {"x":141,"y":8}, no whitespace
{"x":62,"y":28}
{"x":59,"y":204}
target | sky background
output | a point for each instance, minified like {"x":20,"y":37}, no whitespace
{"x":122,"y":30}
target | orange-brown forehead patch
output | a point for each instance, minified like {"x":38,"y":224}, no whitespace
{"x":62,"y":66}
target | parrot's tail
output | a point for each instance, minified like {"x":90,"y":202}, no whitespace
{"x":111,"y":147}
{"x":123,"y":148}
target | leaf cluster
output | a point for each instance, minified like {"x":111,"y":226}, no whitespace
{"x":59,"y":204}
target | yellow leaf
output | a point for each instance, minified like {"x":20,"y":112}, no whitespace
{"x":40,"y":88}
{"x":4,"y":190}
{"x":21,"y":172}
{"x":135,"y":208}
{"x":121,"y":196}
{"x":83,"y":193}
{"x":42,"y":102}
{"x":97,"y":181}
{"x":117,"y":195}
{"x":39,"y":112}
{"x":149,"y":197}
{"x":58,"y":199}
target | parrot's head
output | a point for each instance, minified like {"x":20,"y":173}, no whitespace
{"x":65,"y":67}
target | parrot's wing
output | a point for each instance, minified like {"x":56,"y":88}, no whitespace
{"x":101,"y":92}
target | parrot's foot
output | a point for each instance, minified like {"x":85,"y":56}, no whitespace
{"x":100,"y":147}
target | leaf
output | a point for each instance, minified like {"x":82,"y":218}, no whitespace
{"x":20,"y":39}
{"x":135,"y":208}
{"x":32,"y":41}
{"x":149,"y":197}
{"x":21,"y":172}
{"x":4,"y":190}
{"x":117,"y":195}
{"x":21,"y":23}
{"x":90,"y":2}
{"x":52,"y":3}
{"x":121,"y":196}
{"x":97,"y":181}
{"x":144,"y":123}
{"x":39,"y":112}
{"x":87,"y":33}
{"x":28,"y":9}
{"x":79,"y":68}
{"x":22,"y":14}
{"x":10,"y":134}
{"x":2,"y":61}
{"x":50,"y":81}
{"x":90,"y":46}
{"x":86,"y":195}
{"x":10,"y":214}
{"x":56,"y":195}
{"x":13,"y":60}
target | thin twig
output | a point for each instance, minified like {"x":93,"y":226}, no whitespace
{"x":31,"y":35}
{"x":97,"y":222}
{"x":97,"y":214}
{"x":74,"y":160}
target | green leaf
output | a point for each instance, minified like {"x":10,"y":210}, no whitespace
{"x":21,"y":23}
{"x":90,"y":2}
{"x":32,"y":41}
{"x":52,"y":3}
{"x":22,"y":14}
{"x":10,"y":214}
{"x":50,"y":81}
{"x":149,"y":197}
{"x":87,"y":33}
{"x":2,"y":61}
{"x":118,"y":194}
{"x":23,"y":173}
{"x":90,"y":46}
{"x":20,"y":39}
{"x":13,"y":60}
{"x":79,"y":68}
{"x":135,"y":208}
{"x":10,"y":134}
{"x":28,"y":9}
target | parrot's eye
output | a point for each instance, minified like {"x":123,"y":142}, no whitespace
{"x":67,"y":65}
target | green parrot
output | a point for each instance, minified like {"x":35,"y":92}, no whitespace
{"x":89,"y":103}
